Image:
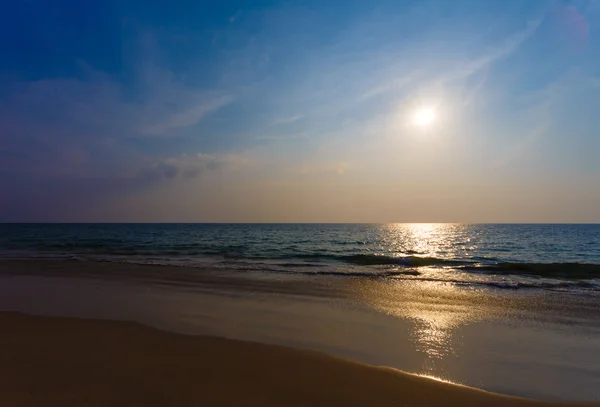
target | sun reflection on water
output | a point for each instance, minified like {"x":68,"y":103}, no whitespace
{"x":434,"y":330}
{"x":437,"y":311}
{"x":442,"y":240}
{"x":436,"y":306}
{"x":435,"y":320}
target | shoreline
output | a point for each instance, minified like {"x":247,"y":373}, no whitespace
{"x":72,"y":361}
{"x":361,"y":289}
{"x":576,"y":278}
{"x":531,"y":345}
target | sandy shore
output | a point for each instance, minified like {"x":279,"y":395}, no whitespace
{"x":48,"y":361}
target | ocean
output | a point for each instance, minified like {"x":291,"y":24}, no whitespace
{"x":562,"y":257}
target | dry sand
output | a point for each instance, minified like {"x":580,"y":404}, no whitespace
{"x":48,"y":361}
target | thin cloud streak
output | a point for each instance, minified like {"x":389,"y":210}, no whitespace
{"x":189,"y":117}
{"x":510,"y":46}
{"x":286,"y":120}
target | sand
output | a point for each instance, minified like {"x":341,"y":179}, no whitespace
{"x":50,"y":361}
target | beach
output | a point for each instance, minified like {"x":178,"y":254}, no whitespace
{"x":74,"y":362}
{"x":216,"y":335}
{"x":300,"y":203}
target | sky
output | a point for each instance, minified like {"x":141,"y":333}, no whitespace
{"x":300,"y":111}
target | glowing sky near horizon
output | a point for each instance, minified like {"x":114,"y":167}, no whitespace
{"x":300,"y":111}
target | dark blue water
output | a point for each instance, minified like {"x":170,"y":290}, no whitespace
{"x":565,"y":257}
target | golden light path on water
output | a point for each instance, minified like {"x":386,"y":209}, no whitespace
{"x":439,"y":240}
{"x":437,"y":311}
{"x":436,"y":308}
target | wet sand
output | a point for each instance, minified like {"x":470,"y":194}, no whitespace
{"x":524,"y":343}
{"x":54,"y":361}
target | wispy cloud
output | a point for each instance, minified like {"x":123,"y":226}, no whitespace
{"x":508,"y":47}
{"x":286,"y":120}
{"x":80,"y":140}
{"x":66,"y":196}
{"x":463,"y":69}
{"x":184,"y":166}
{"x":395,"y":84}
{"x":281,"y":137}
{"x":541,"y":112}
{"x":188,"y":117}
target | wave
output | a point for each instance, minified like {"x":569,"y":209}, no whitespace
{"x":176,"y":273}
{"x":380,"y":260}
{"x":517,"y":285}
{"x":383,"y":274}
{"x":552,"y":270}
{"x":417,"y":276}
{"x":403,"y":263}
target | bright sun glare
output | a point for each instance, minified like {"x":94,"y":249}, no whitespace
{"x":424,"y":117}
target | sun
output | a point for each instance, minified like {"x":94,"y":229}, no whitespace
{"x":424,"y":117}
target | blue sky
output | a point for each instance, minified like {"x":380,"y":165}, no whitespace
{"x":300,"y":111}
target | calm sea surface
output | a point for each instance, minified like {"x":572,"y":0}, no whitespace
{"x":551,"y":257}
